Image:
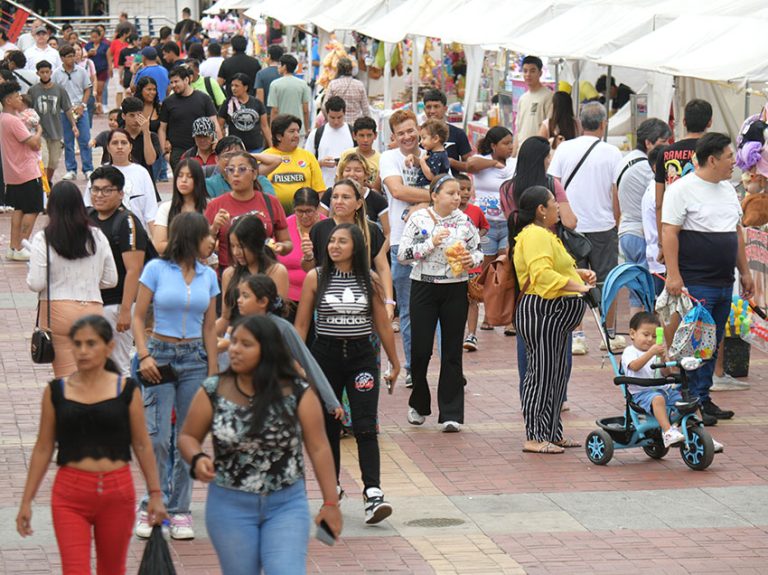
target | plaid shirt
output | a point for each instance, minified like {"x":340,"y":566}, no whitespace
{"x":353,"y":93}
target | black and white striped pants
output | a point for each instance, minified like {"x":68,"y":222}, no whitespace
{"x":545,"y":326}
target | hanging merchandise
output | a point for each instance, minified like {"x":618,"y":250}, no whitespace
{"x":428,"y":68}
{"x":335,"y":51}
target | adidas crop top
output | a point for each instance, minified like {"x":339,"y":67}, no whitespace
{"x":98,"y":430}
{"x":343,"y":311}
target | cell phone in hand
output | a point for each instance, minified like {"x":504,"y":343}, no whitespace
{"x":324,"y":534}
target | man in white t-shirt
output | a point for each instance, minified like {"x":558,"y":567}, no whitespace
{"x":399,"y":181}
{"x":633,"y":176}
{"x":41,"y":50}
{"x":586,"y":166}
{"x":703,"y":244}
{"x":335,"y":137}
{"x":535,"y":105}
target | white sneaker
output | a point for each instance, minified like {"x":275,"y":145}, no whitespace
{"x":181,"y":526}
{"x":414,"y":417}
{"x":451,"y":427}
{"x":143,"y":529}
{"x":88,"y":175}
{"x":9,"y":253}
{"x":673,"y":436}
{"x":69,"y":176}
{"x":580,"y":346}
{"x":408,"y":380}
{"x":618,"y":343}
{"x":376,"y":509}
{"x":21,"y":255}
{"x":718,"y":446}
{"x":726,"y":382}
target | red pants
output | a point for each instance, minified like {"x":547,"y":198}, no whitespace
{"x":83,"y":501}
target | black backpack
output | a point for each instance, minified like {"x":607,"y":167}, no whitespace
{"x":319,"y":136}
{"x":150,"y":253}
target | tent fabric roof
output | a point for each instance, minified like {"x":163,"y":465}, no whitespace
{"x":350,"y":14}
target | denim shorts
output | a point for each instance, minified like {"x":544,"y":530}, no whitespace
{"x":496,"y":240}
{"x":645,"y":397}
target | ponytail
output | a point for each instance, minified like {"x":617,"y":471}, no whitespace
{"x":492,"y":136}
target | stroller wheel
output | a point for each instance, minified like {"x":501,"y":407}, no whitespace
{"x":656,"y":450}
{"x":599,"y":447}
{"x":699,"y":452}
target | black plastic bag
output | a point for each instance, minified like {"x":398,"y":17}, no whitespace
{"x":157,"y":557}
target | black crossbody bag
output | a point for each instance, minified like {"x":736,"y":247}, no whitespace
{"x":42,"y":341}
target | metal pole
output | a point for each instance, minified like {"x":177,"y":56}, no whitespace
{"x":747,"y":97}
{"x":442,"y":66}
{"x":415,"y":61}
{"x":608,"y":88}
{"x":575,"y":88}
{"x":33,"y":13}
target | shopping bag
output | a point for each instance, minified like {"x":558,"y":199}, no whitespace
{"x":157,"y":557}
{"x":499,"y":291}
{"x":696,"y":336}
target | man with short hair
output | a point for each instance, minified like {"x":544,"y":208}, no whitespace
{"x":17,"y":63}
{"x":128,"y":241}
{"x":41,"y":50}
{"x":27,"y":39}
{"x":150,"y":68}
{"x":619,"y":94}
{"x":185,"y":27}
{"x":268,"y":74}
{"x":457,"y":145}
{"x":364,"y":135}
{"x":399,"y":179}
{"x":329,"y":141}
{"x":205,"y":84}
{"x":52,"y":104}
{"x":172,"y":56}
{"x":535,"y":105}
{"x":239,"y":61}
{"x":633,"y":176}
{"x":210,"y":67}
{"x":289,"y":94}
{"x":178,"y":113}
{"x":21,"y":170}
{"x":586,"y":166}
{"x":77,"y":83}
{"x":204,"y":133}
{"x":703,"y":243}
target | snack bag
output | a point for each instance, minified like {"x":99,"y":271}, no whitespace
{"x":454,"y":253}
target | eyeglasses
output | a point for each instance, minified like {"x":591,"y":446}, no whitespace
{"x":103,"y":191}
{"x":240,"y":170}
{"x":306,"y":212}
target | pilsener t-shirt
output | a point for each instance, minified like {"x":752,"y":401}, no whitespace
{"x":297,"y":170}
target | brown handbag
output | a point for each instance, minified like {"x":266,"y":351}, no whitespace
{"x":500,"y":295}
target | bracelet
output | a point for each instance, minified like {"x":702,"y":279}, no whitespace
{"x":193,"y":463}
{"x":145,"y":357}
{"x":390,"y":302}
{"x":329,"y":504}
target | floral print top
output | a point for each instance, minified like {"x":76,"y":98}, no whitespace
{"x":257,"y":464}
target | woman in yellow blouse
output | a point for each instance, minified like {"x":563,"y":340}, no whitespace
{"x":549,"y":309}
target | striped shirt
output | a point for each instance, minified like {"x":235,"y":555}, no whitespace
{"x":343,"y":310}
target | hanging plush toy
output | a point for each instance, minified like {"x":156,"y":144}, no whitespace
{"x":335,"y":51}
{"x":752,"y":160}
{"x":428,"y":66}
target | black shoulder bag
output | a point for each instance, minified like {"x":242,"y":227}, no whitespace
{"x":42,"y":342}
{"x":577,"y":244}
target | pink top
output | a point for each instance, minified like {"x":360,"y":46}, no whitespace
{"x":20,"y":162}
{"x":292,"y":261}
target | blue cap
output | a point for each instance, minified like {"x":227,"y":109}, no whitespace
{"x":149,"y":52}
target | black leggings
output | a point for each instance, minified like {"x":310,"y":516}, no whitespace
{"x":351,"y":364}
{"x":448,"y":304}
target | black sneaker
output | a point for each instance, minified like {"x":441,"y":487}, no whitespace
{"x":710,"y":408}
{"x":376,"y":509}
{"x":708,"y":420}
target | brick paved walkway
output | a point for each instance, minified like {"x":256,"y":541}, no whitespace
{"x":512,"y":512}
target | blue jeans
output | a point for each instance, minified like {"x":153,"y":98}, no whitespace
{"x":633,"y":248}
{"x":159,"y":168}
{"x":191,"y":364}
{"x":497,"y":238}
{"x":91,"y":110}
{"x":401,"y":279}
{"x":717,"y":300}
{"x":70,"y":161}
{"x":252,"y":532}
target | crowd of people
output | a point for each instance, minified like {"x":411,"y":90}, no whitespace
{"x":253,"y":304}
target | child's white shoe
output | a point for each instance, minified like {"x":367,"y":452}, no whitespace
{"x":673,"y":436}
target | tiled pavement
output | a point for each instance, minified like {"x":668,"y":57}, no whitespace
{"x":502,"y":511}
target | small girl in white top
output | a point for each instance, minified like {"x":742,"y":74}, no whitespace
{"x":81,"y":265}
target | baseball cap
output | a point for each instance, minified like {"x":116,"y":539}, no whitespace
{"x":149,"y":52}
{"x":203,"y":127}
{"x":40,"y":29}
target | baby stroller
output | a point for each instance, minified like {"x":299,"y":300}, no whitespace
{"x":637,"y":428}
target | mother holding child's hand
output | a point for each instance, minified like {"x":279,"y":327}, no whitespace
{"x":548,"y":311}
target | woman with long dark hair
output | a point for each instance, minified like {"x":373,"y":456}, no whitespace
{"x":93,"y":417}
{"x":146,"y":91}
{"x":562,"y":124}
{"x":346,"y":298}
{"x":179,"y":353}
{"x":81,"y":264}
{"x":189,"y":195}
{"x":259,"y":411}
{"x":549,"y":309}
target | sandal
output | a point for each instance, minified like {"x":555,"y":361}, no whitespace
{"x":486,"y":327}
{"x":510,"y":330}
{"x":543,"y":447}
{"x":567,"y":442}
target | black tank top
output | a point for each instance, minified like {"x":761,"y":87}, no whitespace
{"x":98,"y":430}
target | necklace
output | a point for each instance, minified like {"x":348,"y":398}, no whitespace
{"x":239,"y":389}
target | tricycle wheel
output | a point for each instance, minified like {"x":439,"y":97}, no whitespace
{"x":656,"y":450}
{"x":699,"y":451}
{"x":599,"y":447}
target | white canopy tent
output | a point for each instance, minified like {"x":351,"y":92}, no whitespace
{"x":412,"y":17}
{"x":291,"y":13}
{"x":350,"y":14}
{"x":227,"y":5}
